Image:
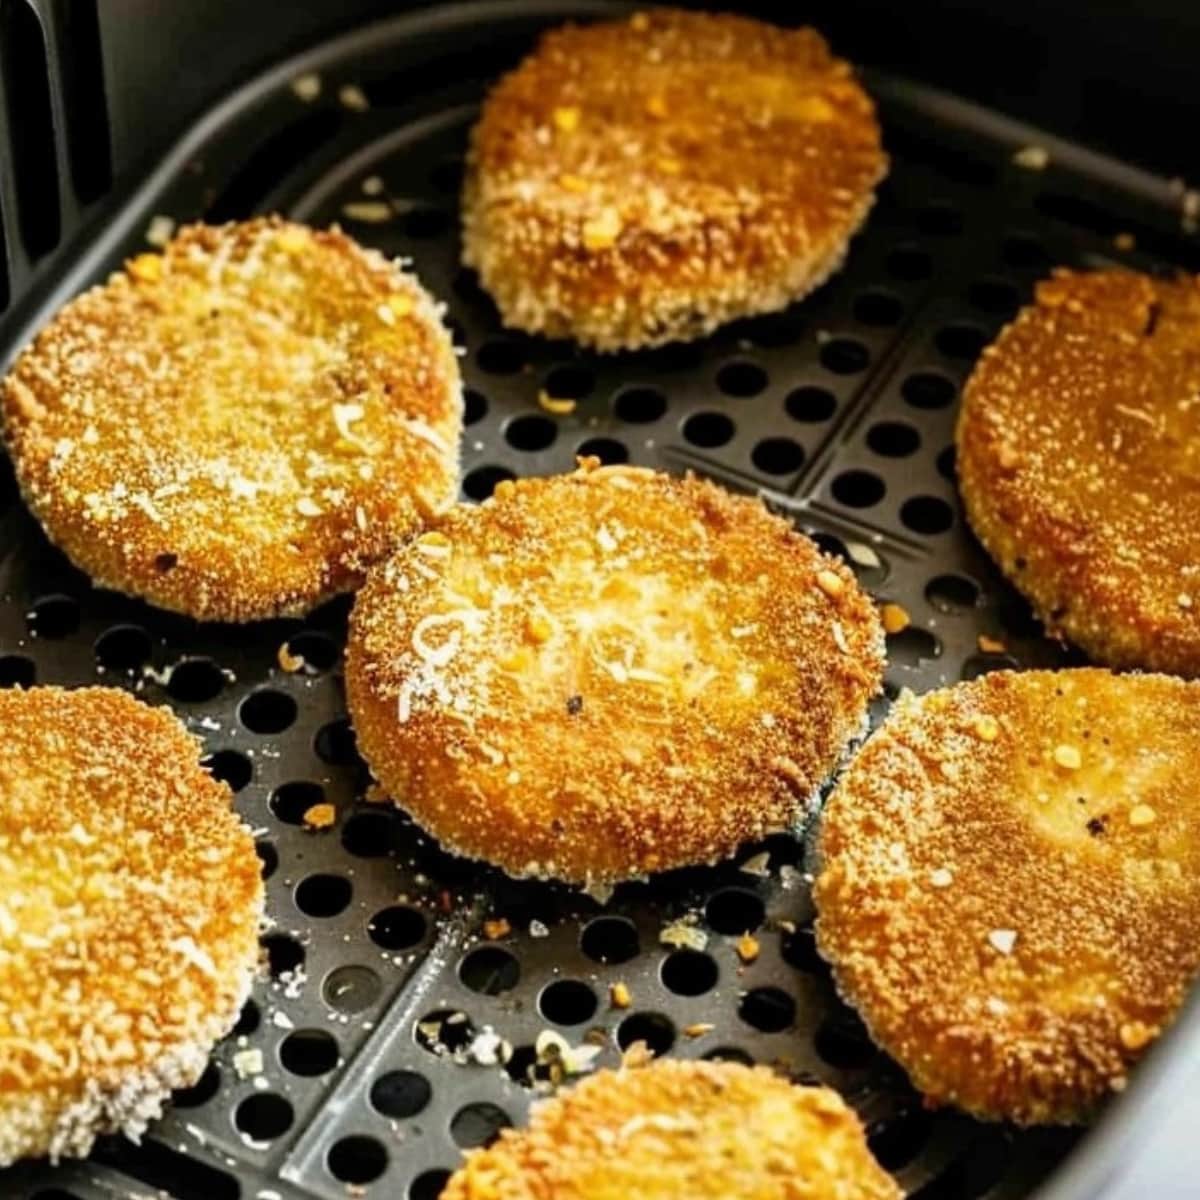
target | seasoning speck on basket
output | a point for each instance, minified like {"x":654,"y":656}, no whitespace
{"x":683,"y":934}
{"x":895,"y":618}
{"x":748,"y":948}
{"x":320,"y":816}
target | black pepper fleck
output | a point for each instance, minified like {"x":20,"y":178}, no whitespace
{"x":574,"y":705}
{"x":1097,"y":825}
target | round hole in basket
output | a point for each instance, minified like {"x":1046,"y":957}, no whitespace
{"x":811,"y":404}
{"x":54,"y":617}
{"x":475,"y":406}
{"x":530,"y":432}
{"x":284,"y":954}
{"x":352,"y":988}
{"x":397,"y":927}
{"x":689,"y":972}
{"x":268,"y":858}
{"x":778,"y":455}
{"x":480,"y":483}
{"x":490,"y":970}
{"x":656,"y":1030}
{"x":324,"y":894}
{"x":928,"y":390}
{"x":201,"y":1092}
{"x":249,"y":1019}
{"x":610,"y":940}
{"x":569,"y":383}
{"x":309,"y":1052}
{"x":798,"y":948}
{"x":290,"y":801}
{"x":357,"y":1159}
{"x":951,"y":593}
{"x":893,"y":439}
{"x":335,"y":743}
{"x":318,"y":650}
{"x":264,"y":1116}
{"x":267,"y":711}
{"x":123,"y":648}
{"x":768,"y":1009}
{"x":444,"y":1031}
{"x":370,"y":834}
{"x":608,"y":450}
{"x":734,"y":1054}
{"x":858,"y":488}
{"x":843,"y":1042}
{"x":195,"y":681}
{"x":401,"y":1094}
{"x":741,"y":379}
{"x":844,"y":356}
{"x":927,"y":515}
{"x":878,"y":308}
{"x":428,"y":1185}
{"x":639,"y":405}
{"x":567,"y":1002}
{"x":735,"y":911}
{"x":478,"y":1124}
{"x":229,"y":766}
{"x":708,"y":429}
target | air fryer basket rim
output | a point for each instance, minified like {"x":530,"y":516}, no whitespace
{"x":1099,"y":1160}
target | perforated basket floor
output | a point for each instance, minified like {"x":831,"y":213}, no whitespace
{"x":840,"y":409}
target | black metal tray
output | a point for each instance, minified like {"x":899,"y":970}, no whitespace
{"x":839,"y":410}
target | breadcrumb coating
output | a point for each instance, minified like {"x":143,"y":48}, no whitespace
{"x":1010,"y":885}
{"x":130,"y":900}
{"x":639,"y":181}
{"x":700,"y":1130}
{"x":594,"y":676}
{"x":1079,"y":463}
{"x":236,"y":428}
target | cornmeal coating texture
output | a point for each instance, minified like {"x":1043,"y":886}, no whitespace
{"x":669,"y":1130}
{"x":598,"y":675}
{"x":1010,"y":885}
{"x":236,"y":428}
{"x":130,"y":900}
{"x":638,"y":181}
{"x":1079,"y":463}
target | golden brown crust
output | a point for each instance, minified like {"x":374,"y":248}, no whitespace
{"x":701,"y":1130}
{"x":638,"y":181}
{"x":130,"y":899}
{"x":237,"y":428}
{"x":597,"y":675}
{"x":1010,"y":885}
{"x":1079,"y":463}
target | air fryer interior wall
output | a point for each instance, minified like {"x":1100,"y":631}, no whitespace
{"x":839,"y":410}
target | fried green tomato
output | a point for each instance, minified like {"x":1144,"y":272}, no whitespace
{"x":1009,"y":889}
{"x":595,"y":676}
{"x":701,"y":1130}
{"x":238,"y":427}
{"x":1078,"y":451}
{"x":639,"y":181}
{"x":130,"y":902}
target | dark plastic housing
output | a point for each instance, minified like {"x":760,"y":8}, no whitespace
{"x":839,"y":411}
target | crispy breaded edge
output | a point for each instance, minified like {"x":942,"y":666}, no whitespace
{"x":689,"y":315}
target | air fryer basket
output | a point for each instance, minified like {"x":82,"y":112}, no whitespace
{"x":356,"y":1068}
